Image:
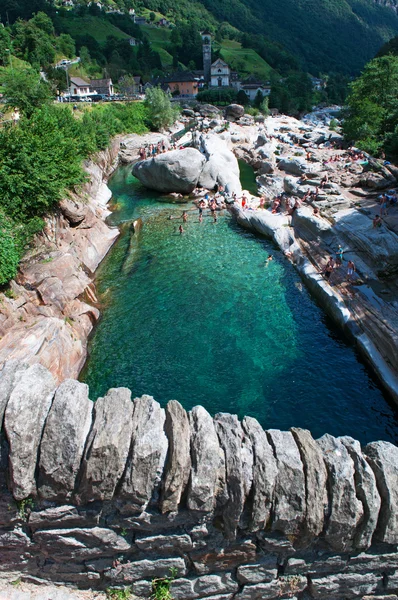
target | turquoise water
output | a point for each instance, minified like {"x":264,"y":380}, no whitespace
{"x":198,"y":317}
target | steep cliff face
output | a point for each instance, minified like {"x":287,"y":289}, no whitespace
{"x":47,"y":317}
{"x":120,"y":491}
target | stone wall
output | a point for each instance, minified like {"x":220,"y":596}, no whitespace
{"x":119,"y":491}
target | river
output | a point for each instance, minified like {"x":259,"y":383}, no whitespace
{"x":200,"y":318}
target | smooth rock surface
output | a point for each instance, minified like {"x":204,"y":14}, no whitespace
{"x":64,"y":438}
{"x":107,"y":446}
{"x":264,"y":474}
{"x":205,"y":453}
{"x":383,"y":458}
{"x":147,"y":456}
{"x":346,"y":511}
{"x":289,"y":500}
{"x":26,"y":411}
{"x":315,"y":481}
{"x":178,"y":465}
{"x":367,"y":493}
{"x":230,"y":434}
{"x":175,"y":171}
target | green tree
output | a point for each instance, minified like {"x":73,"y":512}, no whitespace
{"x":372,"y":105}
{"x":242,"y":98}
{"x":152,"y":17}
{"x":26,"y":90}
{"x":34,"y":41}
{"x":259,"y":99}
{"x":161,"y":111}
{"x":5,"y":46}
{"x":65,"y":45}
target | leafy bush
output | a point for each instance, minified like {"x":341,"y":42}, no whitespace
{"x":9,"y":255}
{"x":161,"y":111}
{"x":371,"y":113}
{"x":41,"y":158}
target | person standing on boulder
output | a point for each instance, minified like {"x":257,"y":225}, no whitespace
{"x":339,"y":256}
{"x":350,"y":270}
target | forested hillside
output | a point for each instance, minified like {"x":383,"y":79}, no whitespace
{"x":317,"y":36}
{"x":325,"y":35}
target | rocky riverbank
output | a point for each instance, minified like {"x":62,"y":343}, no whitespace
{"x":50,"y":309}
{"x":117,"y":492}
{"x":326,"y":198}
{"x":293,"y":161}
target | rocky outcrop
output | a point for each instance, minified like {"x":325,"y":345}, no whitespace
{"x":46,"y":318}
{"x":208,"y":164}
{"x":176,"y":171}
{"x":124,"y":496}
{"x":234,"y":112}
{"x":221,"y":167}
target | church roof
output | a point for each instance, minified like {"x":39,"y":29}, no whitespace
{"x":218,"y":62}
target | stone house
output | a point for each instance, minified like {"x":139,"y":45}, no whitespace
{"x":134,"y":42}
{"x":102,"y":86}
{"x":140,"y":20}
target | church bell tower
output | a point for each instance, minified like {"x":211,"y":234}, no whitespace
{"x":206,"y":39}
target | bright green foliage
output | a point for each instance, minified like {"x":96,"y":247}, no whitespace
{"x":161,"y":586}
{"x":161,"y":111}
{"x":119,"y":594}
{"x":41,"y":159}
{"x":372,"y":106}
{"x":9,"y":255}
{"x":26,"y":90}
{"x":293,"y":95}
{"x":34,"y":41}
{"x":66,"y":45}
{"x":218,"y":96}
{"x":5,"y":46}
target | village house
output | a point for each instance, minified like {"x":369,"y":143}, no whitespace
{"x":251,"y":87}
{"x":220,"y":74}
{"x":185,"y":83}
{"x":68,"y":3}
{"x":79,"y":87}
{"x":163,"y":22}
{"x":140,"y":20}
{"x":102,"y":86}
{"x":134,"y":42}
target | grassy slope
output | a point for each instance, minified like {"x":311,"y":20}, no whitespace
{"x":244,"y":60}
{"x":159,"y":38}
{"x":98,"y":28}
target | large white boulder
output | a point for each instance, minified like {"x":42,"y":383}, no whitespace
{"x":176,"y":171}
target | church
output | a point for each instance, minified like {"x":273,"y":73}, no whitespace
{"x":220,"y":74}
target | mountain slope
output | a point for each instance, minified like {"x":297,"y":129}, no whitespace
{"x":326,"y":35}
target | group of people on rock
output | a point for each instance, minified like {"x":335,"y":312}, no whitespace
{"x":335,"y":263}
{"x":151,"y":150}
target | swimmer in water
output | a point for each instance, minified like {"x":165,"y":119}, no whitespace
{"x":181,"y":229}
{"x":270,"y":257}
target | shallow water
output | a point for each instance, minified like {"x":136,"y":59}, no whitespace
{"x":199,"y":318}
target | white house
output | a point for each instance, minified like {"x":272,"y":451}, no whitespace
{"x":79,"y":87}
{"x":251,"y":90}
{"x":134,"y":42}
{"x":220,"y":74}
